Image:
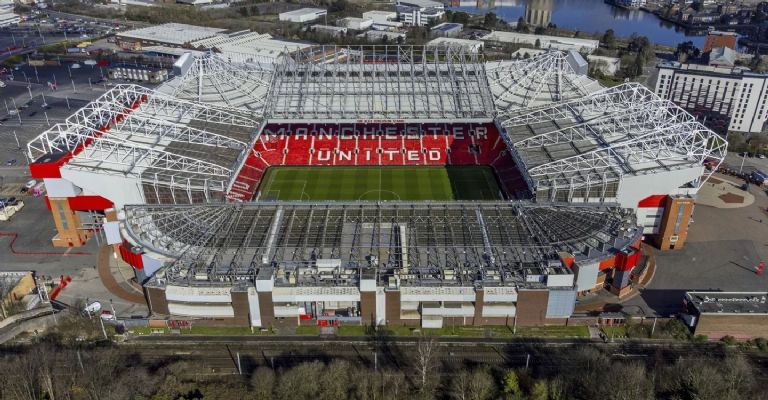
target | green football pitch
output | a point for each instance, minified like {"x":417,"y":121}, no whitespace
{"x":379,"y":183}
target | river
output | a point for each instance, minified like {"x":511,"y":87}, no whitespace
{"x":583,"y":15}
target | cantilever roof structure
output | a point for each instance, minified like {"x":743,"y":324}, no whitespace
{"x":401,"y":82}
{"x":382,"y":82}
{"x":584,"y":147}
{"x":541,"y":80}
{"x":495,"y":243}
{"x":570,"y":140}
{"x":213,"y":79}
{"x":182,"y":151}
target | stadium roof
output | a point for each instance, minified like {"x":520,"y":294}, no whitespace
{"x":172,"y":144}
{"x":186,"y":141}
{"x":620,"y":131}
{"x":216,"y":80}
{"x":381,"y":82}
{"x":493,"y":243}
{"x":388,"y":82}
{"x":544,"y":79}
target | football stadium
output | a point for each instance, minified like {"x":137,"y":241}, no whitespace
{"x":390,"y":185}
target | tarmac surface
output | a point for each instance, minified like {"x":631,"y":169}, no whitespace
{"x":722,"y":252}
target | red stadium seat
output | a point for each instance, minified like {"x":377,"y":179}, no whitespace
{"x":368,"y":149}
{"x":299,"y":150}
{"x":379,"y":144}
{"x":325,"y":142}
{"x":346,"y":153}
{"x":391,"y":144}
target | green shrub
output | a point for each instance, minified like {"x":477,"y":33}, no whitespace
{"x":728,"y":340}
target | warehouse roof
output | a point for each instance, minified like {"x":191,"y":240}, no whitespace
{"x":302,"y":11}
{"x":546,"y":41}
{"x":728,"y":302}
{"x":172,"y":33}
{"x":247,"y":46}
{"x":454,"y":42}
{"x":420,"y":3}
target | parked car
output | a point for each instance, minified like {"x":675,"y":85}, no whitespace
{"x":30,"y":184}
{"x":93,"y":308}
{"x":107,"y":316}
{"x":11,"y":162}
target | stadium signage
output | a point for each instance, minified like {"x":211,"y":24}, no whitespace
{"x":387,"y":142}
{"x":369,"y":131}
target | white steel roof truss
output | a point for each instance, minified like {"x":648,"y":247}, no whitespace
{"x":687,"y":140}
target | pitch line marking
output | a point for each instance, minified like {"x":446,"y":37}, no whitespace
{"x":379,"y":191}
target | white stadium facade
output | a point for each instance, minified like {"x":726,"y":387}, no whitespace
{"x":170,"y":178}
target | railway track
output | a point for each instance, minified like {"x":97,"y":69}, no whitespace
{"x":221,"y":358}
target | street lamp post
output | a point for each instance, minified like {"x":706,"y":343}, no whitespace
{"x":743,"y":157}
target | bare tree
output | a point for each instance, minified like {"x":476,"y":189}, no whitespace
{"x":263,"y":383}
{"x":460,"y":385}
{"x":481,"y":385}
{"x":427,"y":348}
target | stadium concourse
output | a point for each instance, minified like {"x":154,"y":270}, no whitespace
{"x":184,"y":182}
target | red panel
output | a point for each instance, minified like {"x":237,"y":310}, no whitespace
{"x":605,"y":264}
{"x":130,"y":257}
{"x":47,"y":202}
{"x":654,"y":201}
{"x":627,"y":259}
{"x":86,"y":203}
{"x":45,"y":170}
{"x":50,"y":165}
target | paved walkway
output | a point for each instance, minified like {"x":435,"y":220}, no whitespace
{"x":719,"y":192}
{"x":108,"y":268}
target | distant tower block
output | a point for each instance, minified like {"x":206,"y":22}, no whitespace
{"x":538,"y":12}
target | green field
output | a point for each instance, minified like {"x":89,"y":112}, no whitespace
{"x":379,"y":183}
